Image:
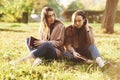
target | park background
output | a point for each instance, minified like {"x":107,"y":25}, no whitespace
{"x":20,"y":19}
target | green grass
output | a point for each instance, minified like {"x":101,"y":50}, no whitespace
{"x":12,"y":47}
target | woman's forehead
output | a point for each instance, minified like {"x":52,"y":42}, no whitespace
{"x":50,"y":12}
{"x":78,"y":17}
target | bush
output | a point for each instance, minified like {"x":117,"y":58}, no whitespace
{"x":13,"y":10}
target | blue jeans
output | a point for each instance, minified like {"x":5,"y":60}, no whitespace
{"x":46,"y":50}
{"x":90,"y":53}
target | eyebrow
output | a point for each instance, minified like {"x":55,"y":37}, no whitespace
{"x":77,"y":20}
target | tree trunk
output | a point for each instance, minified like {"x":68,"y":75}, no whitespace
{"x":25,"y":17}
{"x":109,"y":16}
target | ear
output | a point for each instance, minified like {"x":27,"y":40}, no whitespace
{"x":85,"y":21}
{"x":87,"y":25}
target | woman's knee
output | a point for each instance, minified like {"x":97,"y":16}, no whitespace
{"x":27,"y":40}
{"x":94,"y":51}
{"x":92,"y":47}
{"x":68,"y":55}
{"x":48,"y":44}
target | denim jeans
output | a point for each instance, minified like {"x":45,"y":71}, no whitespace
{"x":90,"y":53}
{"x":46,"y":50}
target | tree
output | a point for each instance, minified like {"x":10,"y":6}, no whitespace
{"x":38,"y":5}
{"x":109,"y":16}
{"x":14,"y":9}
{"x":56,"y":6}
{"x":72,"y":7}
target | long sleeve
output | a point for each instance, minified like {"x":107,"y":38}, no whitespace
{"x":91,"y":35}
{"x":68,"y":40}
{"x":70,"y":48}
{"x":57,"y":36}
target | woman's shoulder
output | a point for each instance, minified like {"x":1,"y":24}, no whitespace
{"x":58,"y":22}
{"x":69,"y":30}
{"x":69,"y":27}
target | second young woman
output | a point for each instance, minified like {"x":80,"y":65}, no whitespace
{"x":79,"y":40}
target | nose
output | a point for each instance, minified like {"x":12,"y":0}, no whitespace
{"x":77,"y":23}
{"x":52,"y":17}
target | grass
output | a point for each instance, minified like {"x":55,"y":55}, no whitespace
{"x":12,"y":46}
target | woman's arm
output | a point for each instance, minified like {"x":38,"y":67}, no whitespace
{"x":57,"y":36}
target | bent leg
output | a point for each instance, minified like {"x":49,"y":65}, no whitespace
{"x":94,"y":51}
{"x":46,"y":50}
{"x":96,"y":55}
{"x":68,"y":55}
{"x":26,"y":58}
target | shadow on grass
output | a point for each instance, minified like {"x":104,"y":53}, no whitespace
{"x":71,"y":66}
{"x":1,"y":29}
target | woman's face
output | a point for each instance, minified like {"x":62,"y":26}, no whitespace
{"x":50,"y":17}
{"x":79,"y":21}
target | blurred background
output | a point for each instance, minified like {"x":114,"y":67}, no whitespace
{"x":20,"y":19}
{"x":25,"y":11}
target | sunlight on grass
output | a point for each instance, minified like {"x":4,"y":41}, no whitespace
{"x":12,"y":46}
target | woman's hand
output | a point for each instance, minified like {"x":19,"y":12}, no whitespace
{"x":76,"y":55}
{"x":38,"y":42}
{"x":89,"y":61}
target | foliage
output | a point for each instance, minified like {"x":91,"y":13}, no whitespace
{"x":13,"y":9}
{"x":38,"y":5}
{"x":56,"y":6}
{"x":73,"y":6}
{"x":12,"y":46}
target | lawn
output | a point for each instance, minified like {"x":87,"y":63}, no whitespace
{"x":12,"y":46}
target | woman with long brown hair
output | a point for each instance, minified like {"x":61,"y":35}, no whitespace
{"x":79,"y":40}
{"x":51,"y":41}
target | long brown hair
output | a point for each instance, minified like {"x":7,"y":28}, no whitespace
{"x":81,"y":13}
{"x":44,"y":29}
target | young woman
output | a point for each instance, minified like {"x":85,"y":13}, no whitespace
{"x":79,"y":40}
{"x":50,"y":43}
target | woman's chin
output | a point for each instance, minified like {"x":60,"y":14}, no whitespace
{"x":78,"y":27}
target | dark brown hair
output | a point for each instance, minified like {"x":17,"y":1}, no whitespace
{"x":81,"y":13}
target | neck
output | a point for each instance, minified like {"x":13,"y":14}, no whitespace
{"x":49,"y":24}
